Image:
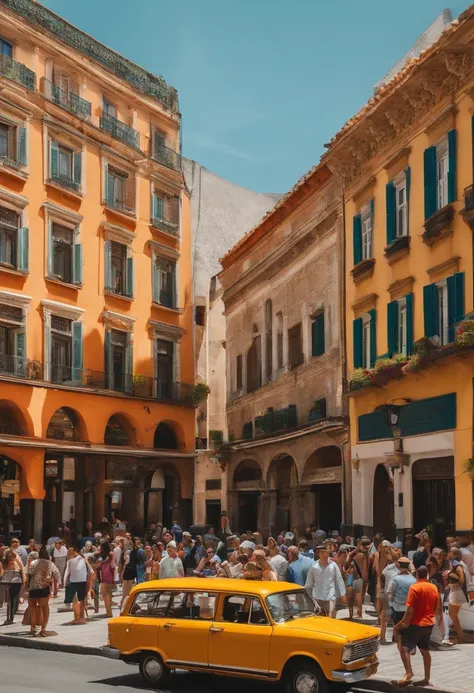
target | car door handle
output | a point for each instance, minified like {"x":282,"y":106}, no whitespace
{"x":214,"y":629}
{"x":167,"y":626}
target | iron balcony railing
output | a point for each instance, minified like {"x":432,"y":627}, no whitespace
{"x":17,"y":72}
{"x":166,"y":225}
{"x":469,"y":198}
{"x":65,"y":182}
{"x":125,"y":206}
{"x":118,"y":290}
{"x":168,"y":157}
{"x":120,"y":130}
{"x":274,"y":421}
{"x":12,"y":163}
{"x":69,"y":101}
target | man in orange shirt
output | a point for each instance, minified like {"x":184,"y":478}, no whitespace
{"x":422,"y":606}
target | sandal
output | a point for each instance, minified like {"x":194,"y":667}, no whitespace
{"x":42,"y":634}
{"x":33,"y":632}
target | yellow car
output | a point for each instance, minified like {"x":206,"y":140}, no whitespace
{"x":258,"y":630}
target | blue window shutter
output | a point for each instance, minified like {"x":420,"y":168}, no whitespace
{"x":155,"y":282}
{"x":455,"y":302}
{"x":21,"y":153}
{"x":77,"y":339}
{"x":452,"y":186}
{"x":357,"y":347}
{"x":23,"y":249}
{"x":357,"y":238}
{"x":77,"y":264}
{"x":409,"y":317}
{"x":53,"y":160}
{"x":373,"y":337}
{"x":108,"y":264}
{"x":129,"y":363}
{"x":317,"y":335}
{"x":407,"y":187}
{"x":77,"y":168}
{"x":108,"y":361}
{"x":430,"y":182}
{"x":392,"y":328}
{"x":391,"y":202}
{"x":430,"y":310}
{"x":129,"y":277}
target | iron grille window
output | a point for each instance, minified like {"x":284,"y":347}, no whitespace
{"x":9,"y":218}
{"x":61,"y":325}
{"x":11,"y":313}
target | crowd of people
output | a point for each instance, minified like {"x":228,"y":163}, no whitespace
{"x":335,"y":572}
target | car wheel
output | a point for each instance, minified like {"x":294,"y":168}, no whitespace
{"x":305,"y":676}
{"x":153,"y":670}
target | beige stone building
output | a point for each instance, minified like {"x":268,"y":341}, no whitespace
{"x":282,"y":286}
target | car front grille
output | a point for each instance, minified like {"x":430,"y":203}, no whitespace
{"x":364,"y":649}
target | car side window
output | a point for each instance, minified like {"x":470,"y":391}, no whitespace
{"x":144,"y":603}
{"x":236,"y":609}
{"x":257,"y":613}
{"x":198,"y":606}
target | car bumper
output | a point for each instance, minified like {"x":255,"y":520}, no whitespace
{"x":356,"y":675}
{"x":110,"y":652}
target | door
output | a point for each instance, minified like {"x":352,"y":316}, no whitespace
{"x":384,"y":515}
{"x":213,"y":514}
{"x":240,"y":637}
{"x":184,"y":633}
{"x":139,"y":629}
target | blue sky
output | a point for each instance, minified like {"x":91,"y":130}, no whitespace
{"x":263,"y":84}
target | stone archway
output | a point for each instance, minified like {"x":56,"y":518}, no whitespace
{"x":282,"y":478}
{"x":12,"y":421}
{"x":163,"y":496}
{"x":247,"y":482}
{"x":165,"y":437}
{"x":66,"y":424}
{"x":323,"y":475}
{"x":119,"y":431}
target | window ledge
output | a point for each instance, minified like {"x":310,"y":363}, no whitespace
{"x":398,"y":249}
{"x":62,"y":188}
{"x":171,"y":310}
{"x":122,"y":297}
{"x":13,"y":171}
{"x":438,"y":226}
{"x":13,"y":270}
{"x":363,"y":270}
{"x":168,"y":234}
{"x":69,"y":285}
{"x":130,"y":216}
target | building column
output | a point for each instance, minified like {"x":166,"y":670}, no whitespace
{"x":267,"y":510}
{"x":233,"y":509}
{"x":275,"y":350}
{"x":286,"y":364}
{"x":298,"y":501}
{"x":38,"y":520}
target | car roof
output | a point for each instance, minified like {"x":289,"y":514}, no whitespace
{"x":262,"y":588}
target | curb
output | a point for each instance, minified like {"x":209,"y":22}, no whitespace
{"x":383,"y":685}
{"x":52,"y":646}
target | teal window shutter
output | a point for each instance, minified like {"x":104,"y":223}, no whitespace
{"x":317,"y":335}
{"x":23,"y":250}
{"x":392,"y":328}
{"x":391,"y":202}
{"x":452,"y":191}
{"x":77,"y":340}
{"x":409,"y":317}
{"x":50,"y":249}
{"x":21,"y":153}
{"x":108,"y":264}
{"x":20,"y":352}
{"x":129,"y":363}
{"x":407,"y":188}
{"x":357,"y":238}
{"x":373,"y":337}
{"x":110,"y":190}
{"x":430,"y":310}
{"x":77,"y":264}
{"x":357,"y":338}
{"x":108,"y":360}
{"x":455,"y":302}
{"x":53,"y":159}
{"x":129,"y":277}
{"x":155,"y":282}
{"x":77,"y":168}
{"x":158,"y":208}
{"x":430,"y":182}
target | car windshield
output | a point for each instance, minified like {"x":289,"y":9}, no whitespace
{"x":286,"y":606}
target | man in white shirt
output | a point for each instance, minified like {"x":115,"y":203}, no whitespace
{"x":324,"y":583}
{"x":171,"y":565}
{"x":75,"y":579}
{"x":279,"y":563}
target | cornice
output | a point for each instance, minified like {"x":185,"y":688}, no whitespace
{"x":13,"y":200}
{"x":163,"y":329}
{"x":63,"y":310}
{"x":445,"y":268}
{"x":117,"y":320}
{"x":112,"y":232}
{"x":62,"y":213}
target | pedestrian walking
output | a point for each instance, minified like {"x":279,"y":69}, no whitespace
{"x":298,"y":566}
{"x":416,"y":626}
{"x":75,"y":578}
{"x":458,"y":579}
{"x":12,"y":574}
{"x":129,"y":573}
{"x":60,"y":560}
{"x":19,"y":550}
{"x":171,"y":565}
{"x":359,"y":560}
{"x":42,"y":575}
{"x":397,"y":593}
{"x":105,"y":569}
{"x":324,"y":583}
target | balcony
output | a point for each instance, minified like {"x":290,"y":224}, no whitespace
{"x":120,"y":130}
{"x":66,"y":182}
{"x":67,"y":100}
{"x":166,"y":225}
{"x":17,"y":72}
{"x":439,"y":225}
{"x":276,"y":421}
{"x":167,"y":157}
{"x":468,"y":211}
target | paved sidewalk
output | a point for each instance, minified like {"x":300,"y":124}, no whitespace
{"x":453,"y":669}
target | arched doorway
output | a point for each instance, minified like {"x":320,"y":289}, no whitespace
{"x":434,"y":496}
{"x":9,"y":499}
{"x":282,"y":477}
{"x":323,"y":472}
{"x":248,"y":483}
{"x":165,"y":438}
{"x":163,"y":496}
{"x":118,"y":431}
{"x":384,"y":517}
{"x":12,"y":422}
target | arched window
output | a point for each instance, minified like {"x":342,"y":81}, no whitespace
{"x":118,"y":431}
{"x":165,"y":438}
{"x":63,"y":425}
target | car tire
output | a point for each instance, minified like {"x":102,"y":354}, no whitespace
{"x":153,"y":670}
{"x":305,"y":676}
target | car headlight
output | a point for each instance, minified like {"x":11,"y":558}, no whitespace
{"x":347,"y":653}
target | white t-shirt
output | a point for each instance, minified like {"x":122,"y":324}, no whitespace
{"x":62,"y":553}
{"x":76,"y":570}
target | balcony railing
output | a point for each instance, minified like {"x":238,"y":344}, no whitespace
{"x":168,"y":157}
{"x":274,"y":421}
{"x":165,"y":225}
{"x":120,"y":130}
{"x":65,"y":182}
{"x":469,"y":199}
{"x":67,"y":100}
{"x":17,"y":72}
{"x":12,"y":163}
{"x":125,"y":206}
{"x":117,"y":291}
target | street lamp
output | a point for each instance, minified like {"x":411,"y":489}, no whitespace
{"x":392,"y":413}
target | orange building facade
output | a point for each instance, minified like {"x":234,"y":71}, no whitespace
{"x":96,"y":316}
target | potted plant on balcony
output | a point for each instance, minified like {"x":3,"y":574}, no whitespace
{"x":360,"y":378}
{"x":387,"y":369}
{"x":424,"y":349}
{"x":465,"y":334}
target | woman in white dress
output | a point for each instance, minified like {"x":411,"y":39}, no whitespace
{"x":60,"y":560}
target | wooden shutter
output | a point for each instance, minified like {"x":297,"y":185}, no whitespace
{"x":77,"y":340}
{"x":391,"y":210}
{"x":129,"y":277}
{"x":174,"y":210}
{"x":77,"y":167}
{"x":77,"y":263}
{"x":430,"y":182}
{"x":392,"y":328}
{"x":357,"y":327}
{"x":409,"y":319}
{"x":21,"y":152}
{"x":407,"y":188}
{"x":129,"y":363}
{"x":108,"y":361}
{"x":452,"y":187}
{"x":130,"y":191}
{"x":373,"y":337}
{"x":317,"y":335}
{"x":455,"y":302}
{"x":430,"y":310}
{"x":53,"y":159}
{"x":357,"y":238}
{"x":23,"y":250}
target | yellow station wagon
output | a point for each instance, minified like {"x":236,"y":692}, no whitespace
{"x":258,"y":630}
